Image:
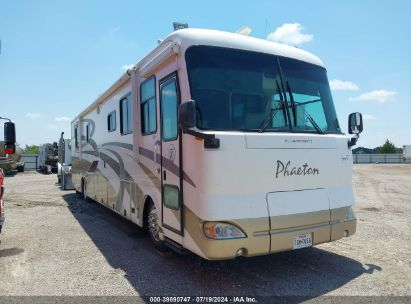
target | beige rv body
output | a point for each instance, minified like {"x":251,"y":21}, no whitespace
{"x":273,"y":186}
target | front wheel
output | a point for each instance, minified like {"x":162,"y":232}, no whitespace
{"x":154,"y":229}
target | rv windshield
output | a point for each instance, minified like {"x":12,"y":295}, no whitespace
{"x":249,"y":91}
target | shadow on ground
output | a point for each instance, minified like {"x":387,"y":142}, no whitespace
{"x":308,"y":272}
{"x":10,"y":252}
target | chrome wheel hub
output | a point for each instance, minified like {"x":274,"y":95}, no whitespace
{"x":153,"y":224}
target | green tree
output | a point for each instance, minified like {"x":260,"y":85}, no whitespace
{"x":31,"y":149}
{"x":388,"y":147}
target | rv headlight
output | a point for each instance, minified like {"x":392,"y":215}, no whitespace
{"x":350,"y":214}
{"x":222,"y":231}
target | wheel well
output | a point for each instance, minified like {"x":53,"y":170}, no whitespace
{"x":146,"y":210}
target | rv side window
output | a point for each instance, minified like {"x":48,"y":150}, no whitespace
{"x":111,"y":121}
{"x":75,"y":137}
{"x":88,"y":132}
{"x":148,"y":106}
{"x":126,"y":115}
{"x":169,"y":105}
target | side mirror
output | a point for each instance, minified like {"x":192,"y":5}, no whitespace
{"x":187,"y":115}
{"x":355,"y":125}
{"x":9,"y":138}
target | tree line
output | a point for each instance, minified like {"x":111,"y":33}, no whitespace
{"x":387,"y":148}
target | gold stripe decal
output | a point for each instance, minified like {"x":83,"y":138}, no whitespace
{"x":167,"y":164}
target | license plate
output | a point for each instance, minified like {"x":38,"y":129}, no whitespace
{"x":303,"y":240}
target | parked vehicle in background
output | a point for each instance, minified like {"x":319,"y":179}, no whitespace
{"x":64,"y":155}
{"x":11,"y":163}
{"x":64,"y":163}
{"x":2,"y":217}
{"x":9,"y":148}
{"x":234,"y":147}
{"x":406,"y":152}
{"x":66,"y":178}
{"x":48,"y":158}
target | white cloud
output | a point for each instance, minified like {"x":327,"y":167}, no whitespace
{"x":127,"y":66}
{"x":32,"y":115}
{"x":368,"y":117}
{"x":290,"y":33}
{"x":340,"y":85}
{"x":62,"y":119}
{"x":380,"y":96}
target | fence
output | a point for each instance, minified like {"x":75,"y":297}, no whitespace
{"x":30,"y":161}
{"x":379,"y":159}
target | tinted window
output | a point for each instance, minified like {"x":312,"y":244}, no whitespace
{"x":148,"y":106}
{"x":88,"y":132}
{"x":171,"y":197}
{"x":169,"y":110}
{"x":126,"y":116}
{"x":75,"y":137}
{"x":307,"y":86}
{"x":242,"y":90}
{"x":111,"y":121}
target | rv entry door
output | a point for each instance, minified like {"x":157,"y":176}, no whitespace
{"x":172,"y":202}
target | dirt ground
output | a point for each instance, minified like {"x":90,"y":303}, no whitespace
{"x":54,"y":243}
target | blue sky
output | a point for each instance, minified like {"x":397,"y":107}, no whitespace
{"x":57,"y":57}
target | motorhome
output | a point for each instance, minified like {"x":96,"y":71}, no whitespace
{"x":221,"y":144}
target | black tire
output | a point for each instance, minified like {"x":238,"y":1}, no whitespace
{"x":84,"y":190}
{"x":154,"y":229}
{"x":63,"y":184}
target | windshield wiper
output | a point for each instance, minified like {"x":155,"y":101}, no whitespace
{"x":273,"y":111}
{"x":292,"y":104}
{"x":268,"y":119}
{"x":315,"y":125}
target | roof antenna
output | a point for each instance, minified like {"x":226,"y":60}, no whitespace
{"x":179,"y":25}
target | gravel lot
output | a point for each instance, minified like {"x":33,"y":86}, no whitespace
{"x":54,"y":243}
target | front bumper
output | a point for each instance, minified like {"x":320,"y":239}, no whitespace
{"x":283,"y":241}
{"x":259,"y":241}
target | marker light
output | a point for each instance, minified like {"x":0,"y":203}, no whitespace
{"x":9,"y":149}
{"x":222,"y":231}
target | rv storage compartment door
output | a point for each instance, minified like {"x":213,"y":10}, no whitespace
{"x":296,"y":213}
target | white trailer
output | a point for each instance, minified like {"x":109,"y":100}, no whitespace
{"x":406,"y":152}
{"x":221,"y":144}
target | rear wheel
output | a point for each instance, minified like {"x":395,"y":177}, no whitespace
{"x":84,"y":190}
{"x":63,"y":182}
{"x":154,"y":228}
